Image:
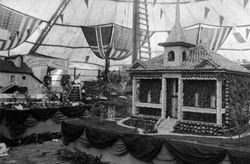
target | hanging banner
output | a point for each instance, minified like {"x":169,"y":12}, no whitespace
{"x":109,"y":41}
{"x":15,"y":28}
{"x":35,"y":61}
{"x":211,"y":37}
{"x":221,"y":20}
{"x":206,"y":12}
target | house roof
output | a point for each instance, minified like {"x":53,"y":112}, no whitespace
{"x":10,"y":67}
{"x":199,"y":58}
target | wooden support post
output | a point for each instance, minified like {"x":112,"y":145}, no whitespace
{"x":180,"y":98}
{"x":163,"y":97}
{"x":218,"y":102}
{"x":135,"y":31}
{"x":134,"y":96}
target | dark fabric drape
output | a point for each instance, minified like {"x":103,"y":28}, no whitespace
{"x":43,"y":114}
{"x":2,"y":114}
{"x":100,"y":139}
{"x":239,"y":157}
{"x":15,"y":116}
{"x":144,"y":148}
{"x":186,"y":153}
{"x":71,"y":132}
{"x":72,"y":111}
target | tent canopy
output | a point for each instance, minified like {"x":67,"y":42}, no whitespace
{"x":67,"y":41}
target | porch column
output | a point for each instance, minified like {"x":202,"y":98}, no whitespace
{"x":180,"y":98}
{"x":163,"y":97}
{"x":218,"y":102}
{"x":134,"y":95}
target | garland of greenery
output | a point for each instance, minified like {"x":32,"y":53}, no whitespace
{"x":153,"y":86}
{"x":205,"y":89}
{"x":205,"y":117}
{"x":239,"y":95}
{"x":149,"y":111}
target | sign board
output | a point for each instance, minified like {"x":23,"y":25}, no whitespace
{"x":34,"y":61}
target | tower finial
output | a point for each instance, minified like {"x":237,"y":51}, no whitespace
{"x":177,"y":12}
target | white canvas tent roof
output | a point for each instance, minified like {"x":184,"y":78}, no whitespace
{"x":66,"y":39}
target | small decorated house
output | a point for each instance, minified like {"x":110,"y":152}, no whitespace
{"x":199,"y":88}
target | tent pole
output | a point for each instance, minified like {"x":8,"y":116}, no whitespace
{"x":135,"y":31}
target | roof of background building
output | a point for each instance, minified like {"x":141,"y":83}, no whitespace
{"x":10,"y":67}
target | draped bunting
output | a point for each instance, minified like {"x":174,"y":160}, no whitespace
{"x":101,"y":140}
{"x":43,"y":114}
{"x":210,"y":36}
{"x":73,"y":112}
{"x":71,"y":132}
{"x":192,"y":154}
{"x":109,"y":41}
{"x":17,"y":121}
{"x":144,"y":147}
{"x":236,"y":157}
{"x":15,"y":28}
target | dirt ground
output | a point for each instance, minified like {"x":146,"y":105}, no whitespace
{"x":45,"y":153}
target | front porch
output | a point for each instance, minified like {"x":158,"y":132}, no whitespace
{"x":163,"y":97}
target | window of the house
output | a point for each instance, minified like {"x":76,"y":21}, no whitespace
{"x":184,"y":56}
{"x":171,"y":56}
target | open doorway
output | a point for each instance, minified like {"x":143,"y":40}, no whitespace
{"x":172,"y":97}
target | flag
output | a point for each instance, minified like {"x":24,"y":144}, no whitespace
{"x":161,"y":13}
{"x":239,"y":37}
{"x":206,"y":12}
{"x":221,"y":20}
{"x":154,"y":2}
{"x":61,"y":17}
{"x":245,"y":3}
{"x":247,"y":32}
{"x":87,"y":3}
